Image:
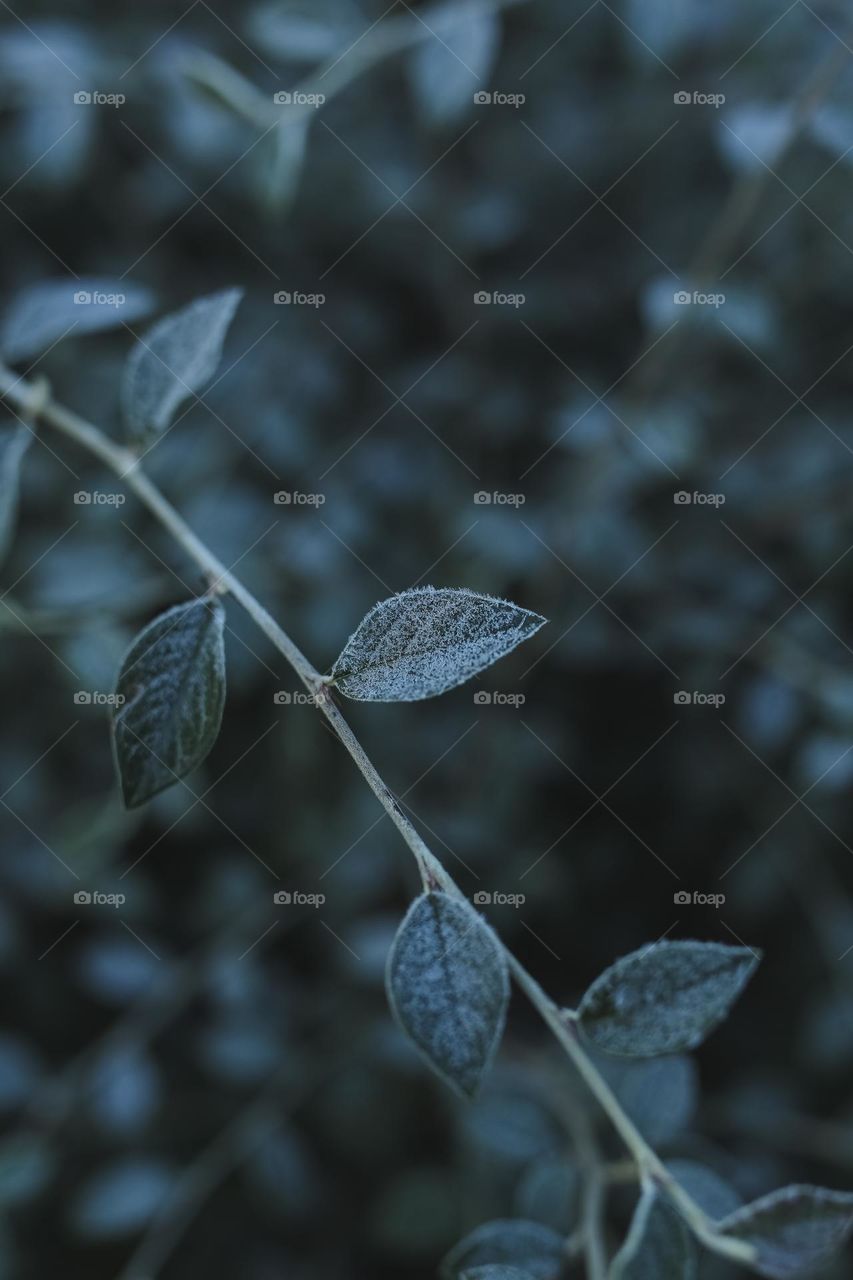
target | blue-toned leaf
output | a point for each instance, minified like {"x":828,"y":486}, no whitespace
{"x":664,"y":998}
{"x":41,"y":314}
{"x":453,"y":62}
{"x":422,"y":642}
{"x":508,"y":1242}
{"x":14,"y":442}
{"x":172,"y":691}
{"x":658,"y":1245}
{"x":448,"y":986}
{"x":173,"y":361}
{"x":792,"y":1230}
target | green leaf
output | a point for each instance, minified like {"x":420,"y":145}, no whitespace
{"x":511,"y":1242}
{"x":658,"y":1245}
{"x":665,"y":998}
{"x":14,"y":443}
{"x":172,"y":683}
{"x":174,"y":360}
{"x":422,"y":642}
{"x":448,"y":986}
{"x":40,"y":315}
{"x":794,"y":1229}
{"x":711,"y":1192}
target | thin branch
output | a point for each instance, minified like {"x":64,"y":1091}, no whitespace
{"x":25,"y":397}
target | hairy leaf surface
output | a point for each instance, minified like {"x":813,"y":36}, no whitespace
{"x":794,"y":1229}
{"x":174,"y":360}
{"x":448,"y":986}
{"x":172,"y":682}
{"x":422,"y":642}
{"x":664,"y":998}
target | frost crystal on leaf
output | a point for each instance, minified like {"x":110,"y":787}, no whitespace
{"x":448,"y":986}
{"x":174,"y":360}
{"x":792,"y":1230}
{"x":172,"y":686}
{"x":506,"y":1243}
{"x":665,"y":998}
{"x":422,"y":642}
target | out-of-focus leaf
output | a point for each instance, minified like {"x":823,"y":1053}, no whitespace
{"x":120,"y":1198}
{"x":454,"y":61}
{"x":548,"y":1193}
{"x":27,"y":1164}
{"x":512,"y":1242}
{"x":448,"y":987}
{"x":14,"y":442}
{"x":175,"y":360}
{"x":40,"y":315}
{"x":711,"y":1192}
{"x":658,"y":1245}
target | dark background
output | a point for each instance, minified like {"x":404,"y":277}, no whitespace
{"x":238,"y":1058}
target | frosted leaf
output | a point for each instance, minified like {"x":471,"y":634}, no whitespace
{"x":792,"y":1230}
{"x":174,"y":360}
{"x":664,"y":998}
{"x":448,"y":987}
{"x":658,"y":1245}
{"x":447,"y":69}
{"x":172,"y":683}
{"x":506,"y":1242}
{"x":14,"y":442}
{"x":41,"y":314}
{"x":422,"y":642}
{"x":711,"y":1192}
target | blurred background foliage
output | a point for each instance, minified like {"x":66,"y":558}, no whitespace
{"x":204,"y":1049}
